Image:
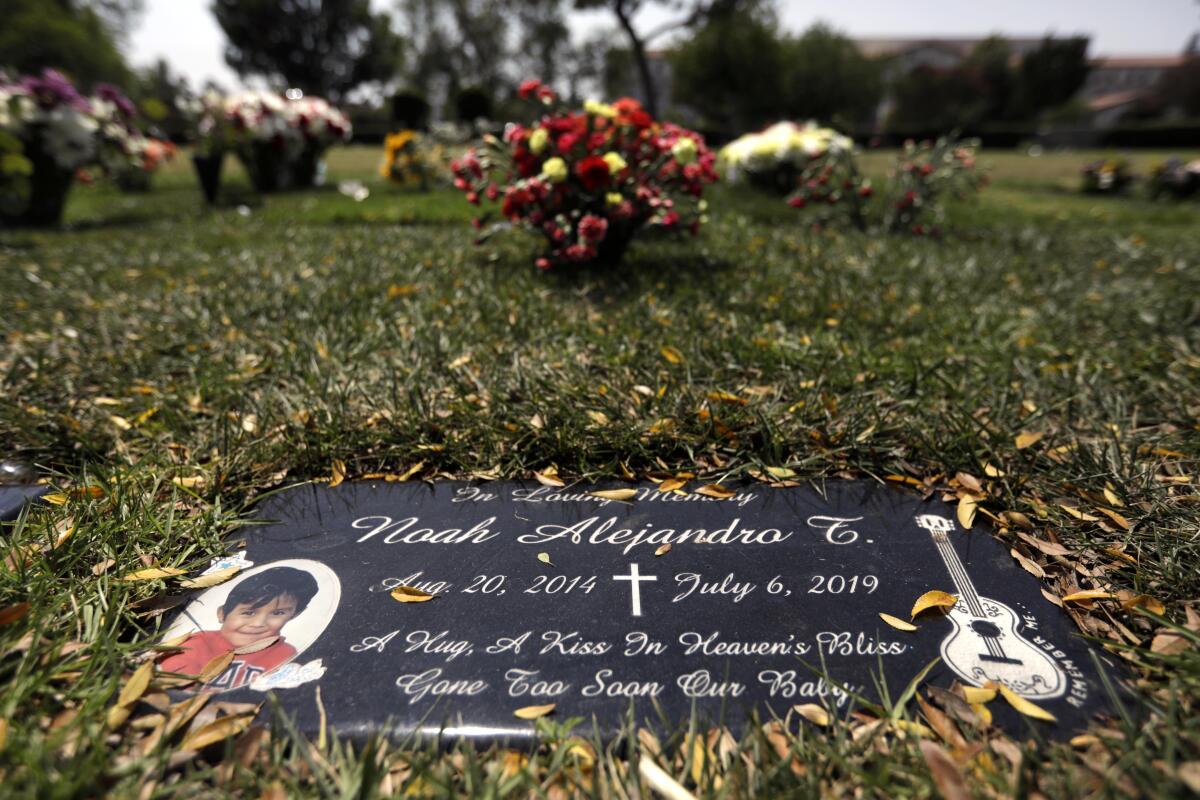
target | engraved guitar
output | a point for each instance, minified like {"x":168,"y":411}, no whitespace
{"x":985,"y":644}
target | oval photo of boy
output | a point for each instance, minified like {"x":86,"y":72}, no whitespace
{"x":266,"y":616}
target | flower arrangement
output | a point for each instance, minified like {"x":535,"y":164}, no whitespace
{"x":921,"y":179}
{"x":404,"y":163}
{"x":774,"y":157}
{"x":1107,"y":176}
{"x":1175,"y":178}
{"x":589,"y":181}
{"x":149,"y":154}
{"x":279,"y":139}
{"x":59,"y":131}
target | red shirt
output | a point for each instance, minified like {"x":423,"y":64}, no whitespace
{"x":203,"y":646}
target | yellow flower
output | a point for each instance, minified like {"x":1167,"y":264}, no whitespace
{"x":554,"y":170}
{"x":599,"y":109}
{"x":538,"y":140}
{"x":615,"y":162}
{"x":614,"y":199}
{"x":684,"y":150}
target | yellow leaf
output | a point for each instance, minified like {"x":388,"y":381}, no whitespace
{"x":1024,"y":706}
{"x":662,"y":549}
{"x":671,"y":484}
{"x":192,"y":482}
{"x":1111,"y":496}
{"x":983,"y":712}
{"x":615,"y":494}
{"x":215,"y":667}
{"x":410,"y":594}
{"x":715,"y":490}
{"x":339,"y":473}
{"x":120,"y":422}
{"x":211,"y":578}
{"x":548,"y":477}
{"x":813,"y":713}
{"x":1077,"y":514}
{"x":533,"y":712}
{"x":992,"y":472}
{"x":460,"y":361}
{"x":671,"y":354}
{"x":152,"y":573}
{"x":933,"y":599}
{"x":1028,"y":439}
{"x":897,"y":623}
{"x":721,"y":396}
{"x":598,"y":417}
{"x":1145,"y":601}
{"x":55,"y":498}
{"x":137,"y":684}
{"x":3,"y":734}
{"x":116,"y":717}
{"x":966,"y":512}
{"x":1115,"y":517}
{"x":396,"y":290}
{"x":145,"y":415}
{"x":978,"y":695}
{"x":545,"y":558}
{"x":1084,"y":740}
{"x":781,"y":473}
{"x":217,"y":731}
{"x":1089,"y":594}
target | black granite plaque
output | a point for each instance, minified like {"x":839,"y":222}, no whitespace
{"x":763,"y":601}
{"x":14,"y":498}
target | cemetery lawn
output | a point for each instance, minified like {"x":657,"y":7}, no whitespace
{"x":165,"y":364}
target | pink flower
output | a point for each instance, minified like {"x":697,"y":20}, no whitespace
{"x":593,"y":228}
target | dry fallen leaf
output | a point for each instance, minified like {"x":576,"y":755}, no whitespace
{"x":1145,"y":601}
{"x":548,"y":477}
{"x":1077,"y":514}
{"x":137,"y":684}
{"x":671,"y":354}
{"x":410,"y":594}
{"x":1089,"y":594}
{"x":254,"y":647}
{"x":897,"y":623}
{"x":211,"y":578}
{"x":662,"y":549}
{"x":1028,"y":439}
{"x":152,"y":573}
{"x":339,"y":473}
{"x":967,"y":507}
{"x":545,"y":558}
{"x":215,"y":667}
{"x":978,"y":695}
{"x":671,"y":484}
{"x":781,"y":473}
{"x":715,"y":490}
{"x":1030,"y":566}
{"x":190,"y":482}
{"x":13,"y":613}
{"x":1025,"y":707}
{"x":933,"y":599}
{"x":946,"y":774}
{"x":1111,"y":496}
{"x":217,"y":731}
{"x":813,"y":713}
{"x":533,"y":712}
{"x":615,"y":494}
{"x":661,"y":782}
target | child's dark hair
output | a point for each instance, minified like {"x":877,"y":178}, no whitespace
{"x":259,"y":589}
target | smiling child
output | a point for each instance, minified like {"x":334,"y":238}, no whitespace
{"x":251,"y":619}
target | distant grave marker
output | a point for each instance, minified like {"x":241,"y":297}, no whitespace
{"x":763,"y":601}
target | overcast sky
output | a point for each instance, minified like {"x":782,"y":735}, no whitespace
{"x":185,"y":34}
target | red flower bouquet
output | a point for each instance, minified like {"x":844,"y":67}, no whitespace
{"x":589,"y":181}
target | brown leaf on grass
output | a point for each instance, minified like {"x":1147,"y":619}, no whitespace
{"x":215,"y":666}
{"x":339,"y":473}
{"x":211,"y":578}
{"x":781,"y":473}
{"x":813,"y":713}
{"x":1049,"y":548}
{"x":1088,"y":595}
{"x":942,"y":724}
{"x":1167,"y":642}
{"x":896,"y":622}
{"x":1025,"y":707}
{"x":13,"y":613}
{"x":946,"y":774}
{"x":218,"y":731}
{"x":153,"y":573}
{"x":1028,"y":439}
{"x":671,"y":354}
{"x":934,"y":598}
{"x":1077,"y":514}
{"x":662,"y":549}
{"x":1115,"y":517}
{"x":410,"y":594}
{"x":969,"y":481}
{"x":721,"y":396}
{"x":103,"y":566}
{"x":715,"y":490}
{"x":533,"y":712}
{"x":967,"y":506}
{"x":1144,"y":601}
{"x":993,"y":472}
{"x":1111,"y":496}
{"x":137,"y":684}
{"x":615,"y":494}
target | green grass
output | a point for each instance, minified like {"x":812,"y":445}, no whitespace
{"x":252,"y":346}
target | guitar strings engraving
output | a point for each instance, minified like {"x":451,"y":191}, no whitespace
{"x":983,"y":624}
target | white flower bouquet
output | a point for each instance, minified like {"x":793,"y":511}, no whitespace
{"x":775,"y":157}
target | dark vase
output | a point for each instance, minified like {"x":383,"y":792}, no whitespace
{"x":48,"y":188}
{"x":208,"y":171}
{"x":611,"y":250}
{"x":267,"y":165}
{"x":304,"y":168}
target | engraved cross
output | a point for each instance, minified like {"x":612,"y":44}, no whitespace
{"x":635,"y":586}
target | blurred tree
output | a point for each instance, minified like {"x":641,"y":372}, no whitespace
{"x":693,"y":14}
{"x":930,"y":99}
{"x":1050,"y":75}
{"x":455,"y":43}
{"x":1179,"y":88}
{"x":158,"y":93}
{"x":826,"y":77}
{"x":732,"y":70}
{"x":324,"y":47}
{"x":991,"y":61}
{"x":66,"y":35}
